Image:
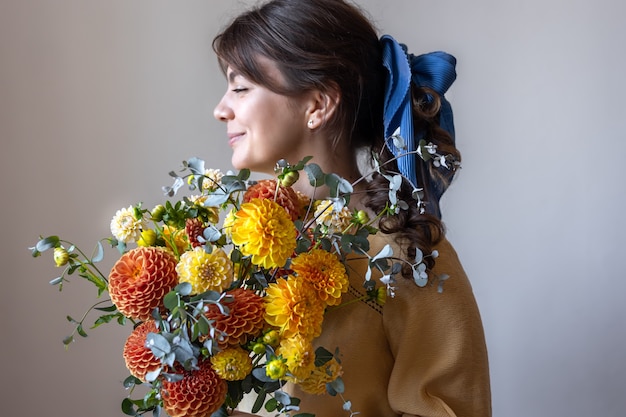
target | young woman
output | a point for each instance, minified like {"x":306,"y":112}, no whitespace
{"x":313,"y":78}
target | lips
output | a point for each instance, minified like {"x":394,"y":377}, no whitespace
{"x":234,"y":137}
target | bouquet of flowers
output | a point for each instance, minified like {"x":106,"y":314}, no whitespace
{"x":226,"y":288}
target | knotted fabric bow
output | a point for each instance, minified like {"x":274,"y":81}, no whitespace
{"x":435,"y":70}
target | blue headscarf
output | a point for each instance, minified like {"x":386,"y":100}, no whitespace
{"x":435,"y":70}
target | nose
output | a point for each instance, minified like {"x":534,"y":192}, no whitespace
{"x":222,"y":111}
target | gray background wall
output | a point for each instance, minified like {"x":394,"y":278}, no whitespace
{"x":99,"y":100}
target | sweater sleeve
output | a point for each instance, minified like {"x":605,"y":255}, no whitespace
{"x":437,"y":341}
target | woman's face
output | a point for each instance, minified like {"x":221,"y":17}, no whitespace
{"x":263,"y":127}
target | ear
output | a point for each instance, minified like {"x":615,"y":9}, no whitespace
{"x":321,"y":106}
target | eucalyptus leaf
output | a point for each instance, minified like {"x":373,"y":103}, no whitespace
{"x":158,"y":344}
{"x":99,"y":253}
{"x":282,"y":397}
{"x":184,"y":288}
{"x":196,"y":165}
{"x":47,"y":243}
{"x":56,"y":281}
{"x":316,"y":175}
{"x":385,"y":252}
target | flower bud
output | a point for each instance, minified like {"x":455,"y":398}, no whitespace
{"x":157,"y":213}
{"x":148,"y":238}
{"x":61,"y":256}
{"x":289,"y":178}
{"x":276,"y":369}
{"x":362,"y":217}
{"x":258,"y":348}
{"x":271,"y":338}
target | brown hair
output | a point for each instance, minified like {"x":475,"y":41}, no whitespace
{"x":323,"y":44}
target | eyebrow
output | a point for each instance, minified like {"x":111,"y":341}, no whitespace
{"x":232,"y":75}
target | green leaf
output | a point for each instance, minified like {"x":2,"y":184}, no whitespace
{"x":106,"y":309}
{"x":68,"y":340}
{"x":271,"y":405}
{"x":131,"y":381}
{"x":80,"y":330}
{"x":47,"y":243}
{"x":170,"y":301}
{"x":128,"y":407}
{"x":260,"y":399}
{"x":322,"y":356}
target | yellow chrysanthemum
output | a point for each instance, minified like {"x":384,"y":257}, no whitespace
{"x":232,"y":364}
{"x":299,"y":356}
{"x":263,"y":229}
{"x":175,"y":239}
{"x":125,"y":226}
{"x":294,"y":308}
{"x":333,"y":217}
{"x":321,"y":375}
{"x":325,"y":273}
{"x":205,"y":271}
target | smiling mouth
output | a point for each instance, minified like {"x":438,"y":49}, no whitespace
{"x":233,"y":138}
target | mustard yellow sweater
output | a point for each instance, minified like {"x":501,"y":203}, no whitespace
{"x":422,"y":354}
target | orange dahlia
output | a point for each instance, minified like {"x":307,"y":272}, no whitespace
{"x":199,"y":394}
{"x":325,"y":272}
{"x":139,"y":359}
{"x":139,"y":280}
{"x":284,"y":196}
{"x":293,"y":307}
{"x":244,"y":321}
{"x":263,"y":230}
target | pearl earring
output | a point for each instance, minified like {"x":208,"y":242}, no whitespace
{"x":310,"y":123}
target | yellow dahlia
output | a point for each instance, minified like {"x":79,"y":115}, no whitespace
{"x":199,"y":394}
{"x":321,"y":375}
{"x":244,"y":321}
{"x":333,"y":217}
{"x":139,"y":280}
{"x":325,"y":273}
{"x":138,"y":358}
{"x":205,"y":271}
{"x":299,"y":357}
{"x":125,"y":226}
{"x":286,"y":197}
{"x":232,"y":364}
{"x":293,"y":307}
{"x":263,"y":229}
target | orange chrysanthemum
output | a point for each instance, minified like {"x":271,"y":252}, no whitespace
{"x":293,"y":307}
{"x":140,"y":279}
{"x":199,"y":394}
{"x":138,"y":358}
{"x":316,"y":382}
{"x":286,"y":197}
{"x":263,"y":230}
{"x":325,"y":272}
{"x":244,"y":321}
